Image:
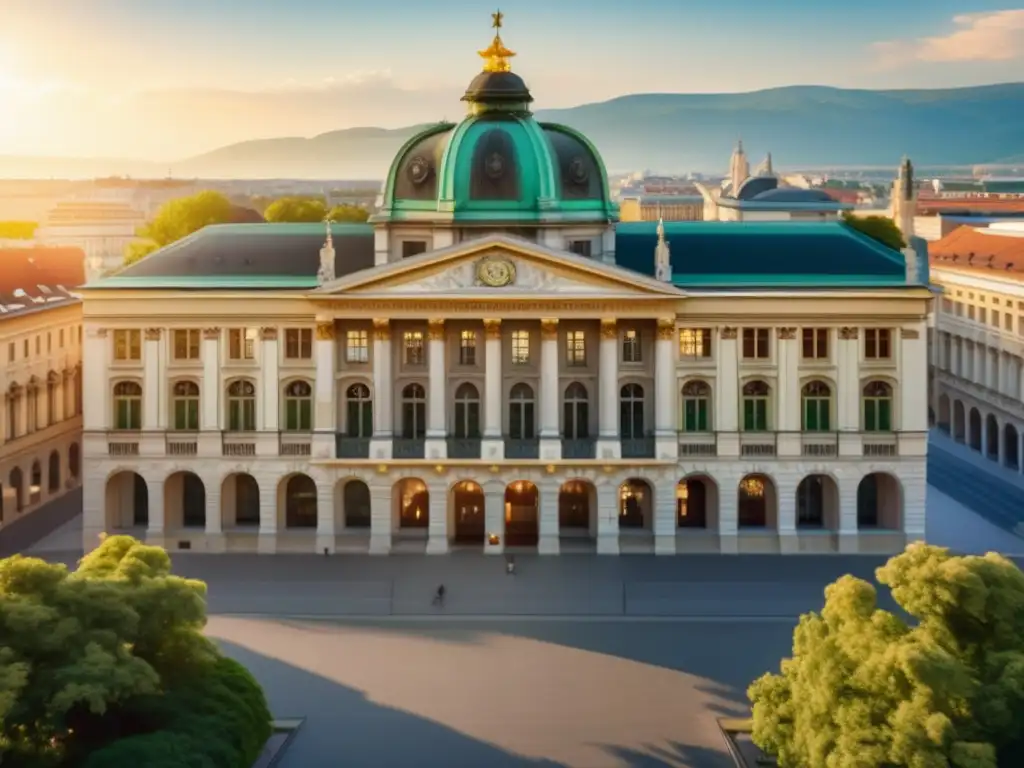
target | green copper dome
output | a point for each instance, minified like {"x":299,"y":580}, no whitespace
{"x":499,"y":164}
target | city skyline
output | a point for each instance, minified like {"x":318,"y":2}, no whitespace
{"x":112,"y":78}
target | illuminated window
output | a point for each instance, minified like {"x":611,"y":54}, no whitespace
{"x":695,"y":342}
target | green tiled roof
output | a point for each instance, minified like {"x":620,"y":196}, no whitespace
{"x":734,"y":254}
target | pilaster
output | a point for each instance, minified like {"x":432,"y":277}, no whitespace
{"x":156,"y":530}
{"x":325,"y":527}
{"x":494,"y":517}
{"x":607,"y":519}
{"x":383,"y":399}
{"x":269,"y":385}
{"x":324,"y":410}
{"x":913,"y":377}
{"x":267,"y":537}
{"x":381,"y":518}
{"x":550,"y":435}
{"x":728,"y":514}
{"x":214,"y":523}
{"x":666,"y":399}
{"x":493,"y":447}
{"x":547,"y":518}
{"x":665,"y":519}
{"x":209,"y":402}
{"x":609,"y":442}
{"x":727,"y":402}
{"x":437,"y":396}
{"x":437,"y":530}
{"x":785,"y":521}
{"x":787,"y":396}
{"x":96,"y":363}
{"x":848,"y":386}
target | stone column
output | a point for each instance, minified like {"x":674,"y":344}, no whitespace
{"x":609,"y":440}
{"x":954,"y":354}
{"x":494,"y":517}
{"x":210,"y":399}
{"x":95,"y":364}
{"x":726,"y":398}
{"x":728,"y":514}
{"x":978,"y":371}
{"x":381,"y":516}
{"x":493,"y":447}
{"x":383,"y":398}
{"x":666,"y":398}
{"x":913,"y":373}
{"x":849,"y":542}
{"x":270,"y":382}
{"x":787,"y":396}
{"x":785,"y":514}
{"x":848,"y":392}
{"x":156,"y":530}
{"x":323,"y":411}
{"x":608,"y":519}
{"x":665,"y":517}
{"x":214,"y":524}
{"x":547,"y":517}
{"x":550,"y":396}
{"x":267,"y":536}
{"x":437,"y":396}
{"x":437,"y":527}
{"x":325,"y":529}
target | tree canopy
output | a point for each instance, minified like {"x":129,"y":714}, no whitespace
{"x":113,"y":652}
{"x":348,"y":213}
{"x":180,"y":218}
{"x":311,"y":209}
{"x":880,"y":228}
{"x":866,"y":688}
{"x":18,"y":230}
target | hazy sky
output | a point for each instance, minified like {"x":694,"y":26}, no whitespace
{"x":164,"y":79}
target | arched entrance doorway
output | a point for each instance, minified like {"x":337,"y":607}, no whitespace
{"x":635,"y":505}
{"x":184,"y":501}
{"x":522,"y":527}
{"x":300,"y":502}
{"x":468,"y":512}
{"x":974,"y":424}
{"x":944,"y":413}
{"x":879,"y":502}
{"x":1011,"y":446}
{"x":817,"y":503}
{"x":127,"y":502}
{"x":756,"y":502}
{"x":240,"y":500}
{"x":959,"y":424}
{"x":574,"y":505}
{"x":696,"y":502}
{"x":355,"y":497}
{"x":413,"y":503}
{"x":991,"y":438}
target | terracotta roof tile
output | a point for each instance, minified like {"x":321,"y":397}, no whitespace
{"x":968,"y":205}
{"x":27,"y":268}
{"x":970,"y":249}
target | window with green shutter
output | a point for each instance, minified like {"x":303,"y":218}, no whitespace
{"x":817,"y":407}
{"x":755,"y":406}
{"x":696,"y":407}
{"x":877,"y":400}
{"x":298,"y":407}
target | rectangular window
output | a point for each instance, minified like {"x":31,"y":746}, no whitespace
{"x":11,"y":354}
{"x":357,"y":347}
{"x":755,"y":414}
{"x":49,"y":341}
{"x":39,"y":344}
{"x":413,"y":248}
{"x":298,"y":343}
{"x":241,"y":414}
{"x":982,"y":315}
{"x":520,"y":347}
{"x":467,"y":348}
{"x":877,"y":343}
{"x":575,"y":348}
{"x":127,"y":344}
{"x":631,"y":347}
{"x":695,"y":343}
{"x":815,"y":343}
{"x":24,"y":348}
{"x":242,"y":343}
{"x":970,"y":311}
{"x":1007,"y":321}
{"x":581,"y":247}
{"x":129,"y":413}
{"x":412,"y":348}
{"x":298,"y":414}
{"x":877,"y":414}
{"x":186,"y":414}
{"x":756,"y":344}
{"x":817,"y":414}
{"x":186,"y":344}
{"x":60,"y":339}
{"x":695,"y":414}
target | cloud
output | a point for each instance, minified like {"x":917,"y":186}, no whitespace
{"x":987,"y":37}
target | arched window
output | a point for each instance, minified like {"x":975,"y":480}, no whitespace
{"x":127,"y":405}
{"x":696,"y":406}
{"x":241,"y":406}
{"x":13,"y":408}
{"x":755,"y":406}
{"x":631,"y":412}
{"x":521,"y":421}
{"x":32,"y":407}
{"x":817,"y":407}
{"x":576,"y":422}
{"x":358,"y":411}
{"x":51,"y":399}
{"x":298,"y":407}
{"x":414,"y":412}
{"x":467,"y":412}
{"x":185,"y":402}
{"x":877,"y":407}
{"x":78,"y":389}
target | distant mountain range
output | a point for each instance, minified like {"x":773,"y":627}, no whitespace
{"x":803,"y":127}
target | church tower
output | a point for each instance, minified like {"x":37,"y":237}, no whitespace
{"x":739,"y":168}
{"x":904,"y":199}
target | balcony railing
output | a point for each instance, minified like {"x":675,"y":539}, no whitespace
{"x":880,"y":444}
{"x":698,"y":444}
{"x":585,"y":448}
{"x":638,"y":448}
{"x":238,"y":444}
{"x":408,"y":448}
{"x":522,"y":449}
{"x":351,"y":447}
{"x":819,"y":444}
{"x":294,"y":443}
{"x":181,"y":443}
{"x":463,"y":448}
{"x":758,"y":444}
{"x":123,"y":443}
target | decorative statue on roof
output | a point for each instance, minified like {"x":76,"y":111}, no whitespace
{"x":662,"y":256}
{"x":326,"y":272}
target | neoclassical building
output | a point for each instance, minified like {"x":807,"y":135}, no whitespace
{"x":494,"y":362}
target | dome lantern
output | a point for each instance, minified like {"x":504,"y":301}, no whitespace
{"x":497,"y":87}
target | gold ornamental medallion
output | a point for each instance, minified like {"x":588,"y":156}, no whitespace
{"x":496,"y":272}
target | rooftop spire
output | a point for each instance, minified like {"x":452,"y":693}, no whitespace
{"x":497,"y":55}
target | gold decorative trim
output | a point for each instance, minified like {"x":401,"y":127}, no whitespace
{"x":849,"y":334}
{"x":268,"y":334}
{"x":609,"y":328}
{"x":729,"y":334}
{"x":492,"y":329}
{"x":211,"y":333}
{"x":325,"y":331}
{"x":642,"y":306}
{"x":666,"y":328}
{"x":549,"y":328}
{"x":496,"y":272}
{"x":381,"y":329}
{"x":910,"y":333}
{"x":435,"y":329}
{"x":787,"y":334}
{"x":440,"y":469}
{"x":154,"y":334}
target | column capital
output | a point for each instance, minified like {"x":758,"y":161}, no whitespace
{"x":268,"y":334}
{"x":435,"y":329}
{"x":154,"y":334}
{"x":848,"y":334}
{"x":211,"y":333}
{"x":729,"y":334}
{"x":381,"y":328}
{"x":786,"y":334}
{"x":549,"y":328}
{"x":325,"y":331}
{"x":910,"y":333}
{"x":492,"y":328}
{"x":609,"y":328}
{"x":96,"y":333}
{"x":666,"y":328}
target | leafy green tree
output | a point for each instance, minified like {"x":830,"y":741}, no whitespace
{"x":295,"y":210}
{"x":865,"y":688}
{"x":880,"y":228}
{"x":180,"y":218}
{"x":18,"y":230}
{"x":348,"y":214}
{"x":138,"y":249}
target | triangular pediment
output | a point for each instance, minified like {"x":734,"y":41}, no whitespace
{"x":498,"y":266}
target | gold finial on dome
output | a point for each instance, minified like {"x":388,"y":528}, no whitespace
{"x":497,"y":55}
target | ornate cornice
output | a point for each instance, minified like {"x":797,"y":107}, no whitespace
{"x":325,"y":331}
{"x":211,"y":333}
{"x":154,"y":334}
{"x":729,"y":334}
{"x":492,"y":328}
{"x":849,"y":333}
{"x":910,"y":333}
{"x":609,"y":328}
{"x":381,"y":329}
{"x":666,"y":328}
{"x":787,"y":334}
{"x":268,"y":334}
{"x":549,"y":328}
{"x":435,"y":329}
